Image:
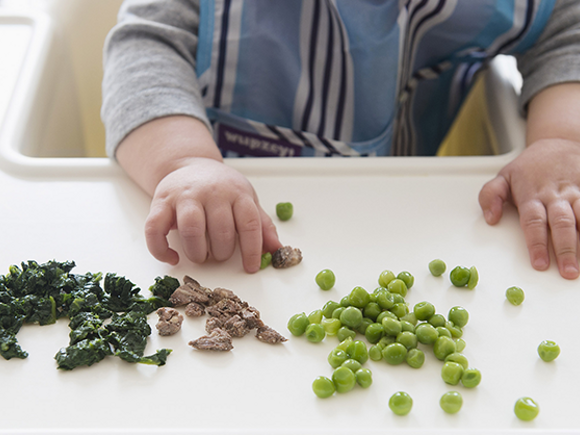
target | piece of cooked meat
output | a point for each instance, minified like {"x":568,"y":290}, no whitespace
{"x":169,"y":321}
{"x":218,"y":340}
{"x":193,"y":309}
{"x":270,"y":336}
{"x":189,"y":292}
{"x":286,"y":257}
{"x":236,"y":326}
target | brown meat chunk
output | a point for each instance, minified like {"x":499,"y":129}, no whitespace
{"x":190,"y":291}
{"x":270,"y":336}
{"x":220,"y":293}
{"x":252,"y":317}
{"x":193,"y":309}
{"x":226,"y":308}
{"x":218,"y":340}
{"x":169,"y":321}
{"x":286,"y":257}
{"x":213,"y":323}
{"x":236,"y":326}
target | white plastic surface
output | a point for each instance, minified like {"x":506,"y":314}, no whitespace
{"x":356,"y":217}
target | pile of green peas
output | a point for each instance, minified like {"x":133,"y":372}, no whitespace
{"x":393,"y":329}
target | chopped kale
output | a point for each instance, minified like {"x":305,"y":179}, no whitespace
{"x":43,"y":293}
{"x":9,"y":347}
{"x":164,"y":287}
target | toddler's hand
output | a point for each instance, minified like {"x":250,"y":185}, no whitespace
{"x":211,"y":205}
{"x":544,"y":184}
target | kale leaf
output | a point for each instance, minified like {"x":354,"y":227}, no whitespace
{"x":9,"y":347}
{"x":164,"y":287}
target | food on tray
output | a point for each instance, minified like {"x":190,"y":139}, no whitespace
{"x":437,"y":267}
{"x":43,"y":293}
{"x":284,"y":210}
{"x":325,"y":279}
{"x":286,"y":257}
{"x":526,"y":409}
{"x":229,"y":316}
{"x":451,"y":402}
{"x":170,"y":321}
{"x":462,"y":276}
{"x":401,"y":403}
{"x":394,"y":331}
{"x":548,"y":350}
{"x":515,"y":295}
{"x":266,"y":260}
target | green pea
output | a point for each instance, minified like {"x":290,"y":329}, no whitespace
{"x":344,"y":333}
{"x":407,"y":278}
{"x":385,"y":299}
{"x":358,"y":350}
{"x":336,"y":313}
{"x":473,"y":278}
{"x":386,"y":340}
{"x":400,"y":310}
{"x":375,"y":352}
{"x":451,"y":402}
{"x":298,"y":323}
{"x":443,"y":332}
{"x":344,"y":379}
{"x":456,"y":331}
{"x":336,"y":357}
{"x":374,"y":332}
{"x":399,"y":299}
{"x":515,"y":295}
{"x":424,"y":310}
{"x":443,"y":347}
{"x":384,"y":314}
{"x":398,"y":286}
{"x":526,"y":409}
{"x":345,"y":301}
{"x":352,"y":364}
{"x":351,"y":317}
{"x":459,"y":358}
{"x":284,"y":210}
{"x":460,"y":344}
{"x":362,"y":328}
{"x":364,"y":377}
{"x":325,"y":279}
{"x":358,"y":297}
{"x":329,"y":308}
{"x":345,"y":344}
{"x":437,"y":320}
{"x":410,"y":318}
{"x":459,"y":276}
{"x":372,"y":310}
{"x":407,"y":326}
{"x":459,"y":316}
{"x":315,"y":316}
{"x":386,"y":277}
{"x":451,"y":373}
{"x":548,"y":350}
{"x":323,"y":387}
{"x":471,"y":378}
{"x":437,"y":267}
{"x":415,"y":358}
{"x":392,"y":326}
{"x":315,"y":333}
{"x":401,"y":403}
{"x":266,"y":260}
{"x":394,"y":353}
{"x":407,"y":339}
{"x":426,"y":333}
{"x":331,"y":326}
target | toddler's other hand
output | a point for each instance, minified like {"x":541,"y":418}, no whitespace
{"x":544,"y":184}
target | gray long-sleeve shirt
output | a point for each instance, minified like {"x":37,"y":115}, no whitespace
{"x":150,"y":59}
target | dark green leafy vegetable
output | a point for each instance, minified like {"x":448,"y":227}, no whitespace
{"x":43,"y":293}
